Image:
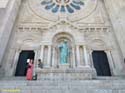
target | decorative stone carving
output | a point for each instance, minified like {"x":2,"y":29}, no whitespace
{"x":85,"y":8}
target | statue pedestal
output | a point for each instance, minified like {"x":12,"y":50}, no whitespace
{"x":66,"y":74}
{"x":64,"y":66}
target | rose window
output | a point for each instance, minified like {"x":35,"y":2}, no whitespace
{"x":53,"y":10}
{"x":65,"y":6}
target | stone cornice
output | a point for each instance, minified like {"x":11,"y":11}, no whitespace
{"x":83,"y":29}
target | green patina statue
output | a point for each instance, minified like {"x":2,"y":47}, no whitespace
{"x":64,"y":52}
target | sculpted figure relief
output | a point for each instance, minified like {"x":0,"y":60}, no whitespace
{"x":64,"y":52}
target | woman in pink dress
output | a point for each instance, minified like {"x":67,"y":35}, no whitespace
{"x":29,"y":70}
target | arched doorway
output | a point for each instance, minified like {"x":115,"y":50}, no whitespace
{"x":22,"y":62}
{"x":101,"y":63}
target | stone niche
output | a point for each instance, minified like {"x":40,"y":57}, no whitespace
{"x":78,"y":65}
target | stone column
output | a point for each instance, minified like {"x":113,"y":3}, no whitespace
{"x":16,"y":58}
{"x":42,"y":52}
{"x":35,"y":62}
{"x":53,"y":57}
{"x":87,"y":64}
{"x":49,"y":56}
{"x":17,"y":54}
{"x":78,"y":55}
{"x":91,"y":58}
{"x":73,"y":55}
{"x":110,"y":60}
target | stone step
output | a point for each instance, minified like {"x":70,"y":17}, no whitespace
{"x":61,"y":78}
{"x":13,"y":78}
{"x":62,"y":83}
{"x":65,"y":86}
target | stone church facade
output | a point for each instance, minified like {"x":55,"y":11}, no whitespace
{"x":94,"y":30}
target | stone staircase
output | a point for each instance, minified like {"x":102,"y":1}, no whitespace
{"x":20,"y":85}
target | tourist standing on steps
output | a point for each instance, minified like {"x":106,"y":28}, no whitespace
{"x":30,"y":70}
{"x":40,"y":64}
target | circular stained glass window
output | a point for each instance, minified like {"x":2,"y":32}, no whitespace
{"x":52,"y":9}
{"x":63,"y":5}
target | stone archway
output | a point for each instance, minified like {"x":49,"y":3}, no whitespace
{"x":58,"y":40}
{"x":102,"y":47}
